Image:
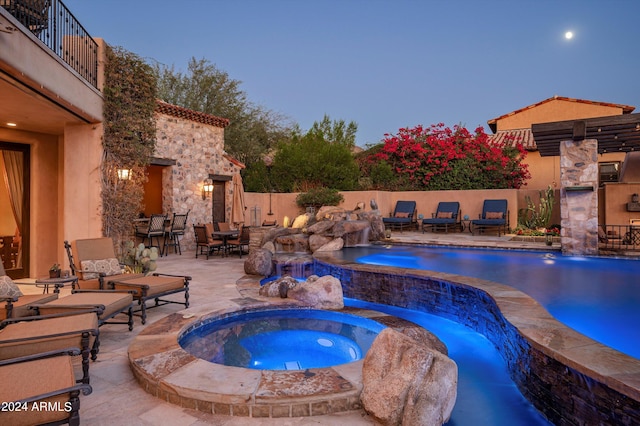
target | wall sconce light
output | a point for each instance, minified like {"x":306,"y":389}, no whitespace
{"x":124,"y":174}
{"x":207,"y":188}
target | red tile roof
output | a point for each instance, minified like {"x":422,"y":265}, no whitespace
{"x":188,"y":114}
{"x":524,"y":136}
{"x":626,"y":109}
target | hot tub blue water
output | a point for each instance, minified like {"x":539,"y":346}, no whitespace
{"x":599,"y":297}
{"x":283,"y":339}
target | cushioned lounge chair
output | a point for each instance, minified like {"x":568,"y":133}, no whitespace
{"x":93,"y":251}
{"x":447,"y":216}
{"x":30,"y":335}
{"x":403,"y":216}
{"x":42,"y":380}
{"x":13,"y":303}
{"x":495,"y":215}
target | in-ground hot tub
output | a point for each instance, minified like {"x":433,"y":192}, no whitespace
{"x":282,"y":339}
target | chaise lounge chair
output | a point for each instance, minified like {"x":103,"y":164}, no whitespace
{"x":41,"y":380}
{"x":93,"y":251}
{"x":495,"y":215}
{"x":447,"y":216}
{"x":15,"y":303}
{"x":403,"y":216}
{"x":30,"y":335}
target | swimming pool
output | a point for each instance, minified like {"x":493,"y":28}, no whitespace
{"x":599,"y":297}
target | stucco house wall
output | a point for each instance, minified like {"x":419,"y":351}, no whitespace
{"x":545,"y":171}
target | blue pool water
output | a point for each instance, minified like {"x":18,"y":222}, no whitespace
{"x":599,"y":297}
{"x":283,"y":339}
{"x":486,"y":393}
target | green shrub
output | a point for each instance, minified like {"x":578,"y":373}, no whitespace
{"x":319,"y":197}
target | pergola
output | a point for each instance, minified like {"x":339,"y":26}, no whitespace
{"x":617,"y":133}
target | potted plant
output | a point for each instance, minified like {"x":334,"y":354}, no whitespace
{"x":54,"y":271}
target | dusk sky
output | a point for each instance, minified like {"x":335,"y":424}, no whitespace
{"x":389,"y":64}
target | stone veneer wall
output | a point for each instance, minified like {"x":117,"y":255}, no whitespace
{"x":546,"y":360}
{"x":579,"y":197}
{"x":198,"y":150}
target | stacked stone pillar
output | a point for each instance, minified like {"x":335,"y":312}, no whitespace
{"x":579,"y":197}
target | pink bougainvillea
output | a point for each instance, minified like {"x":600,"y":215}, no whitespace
{"x":439,"y":157}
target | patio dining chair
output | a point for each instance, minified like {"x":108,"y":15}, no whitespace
{"x":205,"y":243}
{"x":243,"y":240}
{"x":174,"y":232}
{"x":154,"y":229}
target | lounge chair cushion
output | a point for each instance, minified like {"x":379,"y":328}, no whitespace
{"x":33,"y":329}
{"x":444,"y":215}
{"x":91,"y":269}
{"x":494,"y":215}
{"x":8,"y":288}
{"x":111,"y":302}
{"x":27,"y":379}
{"x":157,"y":285}
{"x":21,"y":307}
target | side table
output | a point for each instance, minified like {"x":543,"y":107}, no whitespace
{"x":465,"y":224}
{"x":57,"y":283}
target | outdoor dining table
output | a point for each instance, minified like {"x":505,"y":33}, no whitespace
{"x":225,"y":235}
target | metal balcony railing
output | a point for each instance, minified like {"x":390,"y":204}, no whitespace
{"x":55,"y":26}
{"x":619,"y":237}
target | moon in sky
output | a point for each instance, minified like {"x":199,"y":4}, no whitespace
{"x":568,"y":35}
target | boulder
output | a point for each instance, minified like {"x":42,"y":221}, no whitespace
{"x":333,"y":245}
{"x":406,"y":382}
{"x":269,"y":246}
{"x":316,"y":241}
{"x":278,"y":287}
{"x":349,"y":227}
{"x":259,"y":262}
{"x":321,"y":227}
{"x":322,"y":293}
{"x":331,"y":213}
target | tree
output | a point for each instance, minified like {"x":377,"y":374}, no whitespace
{"x":253,"y":130}
{"x":439,"y":157}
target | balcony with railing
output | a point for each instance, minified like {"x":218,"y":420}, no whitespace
{"x":53,"y":24}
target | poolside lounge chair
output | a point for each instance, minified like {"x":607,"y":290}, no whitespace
{"x":403,"y":216}
{"x":30,"y":335}
{"x":152,"y":287}
{"x":15,"y":303}
{"x":45,"y":378}
{"x":495,"y":215}
{"x":447,"y":216}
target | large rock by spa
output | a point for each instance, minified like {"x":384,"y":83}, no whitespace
{"x":259,"y":262}
{"x":333,"y":245}
{"x":405,"y":382}
{"x":323,"y":293}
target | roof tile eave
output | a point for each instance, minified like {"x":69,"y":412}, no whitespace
{"x":188,"y":114}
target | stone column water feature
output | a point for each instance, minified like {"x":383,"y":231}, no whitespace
{"x":579,"y":197}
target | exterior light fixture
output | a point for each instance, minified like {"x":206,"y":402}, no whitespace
{"x":207,"y":188}
{"x":124,"y":174}
{"x":12,"y":125}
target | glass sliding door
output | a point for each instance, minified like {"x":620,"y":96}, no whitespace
{"x":14,"y":208}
